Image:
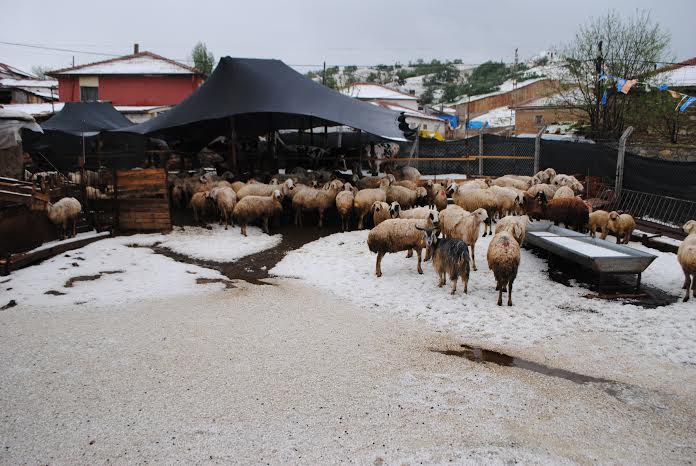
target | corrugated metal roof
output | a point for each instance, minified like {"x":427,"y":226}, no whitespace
{"x":684,"y":76}
{"x":139,"y":63}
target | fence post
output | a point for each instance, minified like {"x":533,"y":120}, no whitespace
{"x":620,"y":161}
{"x":481,"y":152}
{"x":537,"y":149}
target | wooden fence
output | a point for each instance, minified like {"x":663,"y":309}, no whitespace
{"x":142,"y":200}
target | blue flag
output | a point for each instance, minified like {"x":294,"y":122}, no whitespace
{"x":620,"y":84}
{"x":604,"y":97}
{"x":686,"y":104}
{"x":663,"y":87}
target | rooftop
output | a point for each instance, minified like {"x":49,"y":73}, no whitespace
{"x":48,"y":109}
{"x":375,"y":91}
{"x":405,"y":110}
{"x":137,"y":63}
{"x":684,"y":76}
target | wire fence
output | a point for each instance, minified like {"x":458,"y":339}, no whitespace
{"x":669,"y":211}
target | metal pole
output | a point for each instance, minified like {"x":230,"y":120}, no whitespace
{"x":481,"y":152}
{"x":620,"y":161}
{"x":537,"y":148}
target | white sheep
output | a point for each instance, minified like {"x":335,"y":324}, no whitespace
{"x":544,"y":176}
{"x":504,"y":260}
{"x":262,"y":208}
{"x":200,"y":203}
{"x":564,"y":192}
{"x":366,"y":197}
{"x":515,"y":225}
{"x":224,"y":199}
{"x":622,"y":226}
{"x":395,"y":235}
{"x":509,"y":181}
{"x":407,"y":198}
{"x":472,"y":199}
{"x":450,"y":217}
{"x":509,"y":200}
{"x":381,"y":211}
{"x":548,"y":190}
{"x":599,"y":219}
{"x":468,"y":230}
{"x":687,"y":258}
{"x":344,"y":205}
{"x":319,"y":200}
{"x":569,"y":181}
{"x":265,"y":190}
{"x":63,"y":212}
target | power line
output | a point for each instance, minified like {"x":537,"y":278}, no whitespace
{"x":56,"y":49}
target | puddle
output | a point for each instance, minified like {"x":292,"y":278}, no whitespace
{"x":613,"y":286}
{"x":254,"y":268}
{"x":481,"y":355}
{"x":87,"y":278}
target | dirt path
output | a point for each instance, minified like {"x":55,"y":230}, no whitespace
{"x":284,"y":374}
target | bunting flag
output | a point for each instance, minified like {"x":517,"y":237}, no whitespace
{"x":625,"y":85}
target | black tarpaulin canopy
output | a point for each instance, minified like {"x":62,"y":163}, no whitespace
{"x":267,"y":95}
{"x":85,"y":119}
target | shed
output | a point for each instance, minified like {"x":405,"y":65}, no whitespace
{"x":11,"y":152}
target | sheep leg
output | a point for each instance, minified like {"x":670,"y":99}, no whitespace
{"x":265,"y":226}
{"x":427,"y":255}
{"x":74,"y":227}
{"x":687,"y":285}
{"x":465,"y":280}
{"x":378,"y":265}
{"x":242,"y":225}
{"x":410,"y":253}
{"x":418,"y":253}
{"x":321,"y":218}
{"x":360,"y":221}
{"x":604,"y":233}
{"x":442,"y":280}
{"x":453,"y":279}
{"x":500,"y":287}
{"x":510,"y":293}
{"x":473,"y":257}
{"x":693,"y":286}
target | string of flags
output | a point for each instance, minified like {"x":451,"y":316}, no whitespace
{"x":625,"y":85}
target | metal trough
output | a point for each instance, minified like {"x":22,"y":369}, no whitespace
{"x":600,"y":256}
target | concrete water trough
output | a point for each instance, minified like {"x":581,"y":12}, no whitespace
{"x":601,"y":256}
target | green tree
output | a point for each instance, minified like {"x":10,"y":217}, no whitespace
{"x":631,"y":46}
{"x":486,"y":78}
{"x":203,"y":58}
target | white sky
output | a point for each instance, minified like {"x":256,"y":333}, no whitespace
{"x":301,"y":32}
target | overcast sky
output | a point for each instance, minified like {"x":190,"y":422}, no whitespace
{"x":307,"y":32}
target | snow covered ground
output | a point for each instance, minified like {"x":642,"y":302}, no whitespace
{"x":543,"y":309}
{"x":113,"y":272}
{"x":217,"y":245}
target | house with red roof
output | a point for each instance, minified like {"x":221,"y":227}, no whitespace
{"x":139,"y":79}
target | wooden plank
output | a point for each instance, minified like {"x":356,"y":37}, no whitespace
{"x":141,"y":172}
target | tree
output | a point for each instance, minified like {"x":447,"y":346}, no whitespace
{"x":40,"y":71}
{"x":203,"y":59}
{"x":487,"y":77}
{"x":623,"y":47}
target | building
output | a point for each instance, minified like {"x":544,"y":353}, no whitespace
{"x":372,"y":92}
{"x":552,"y":110}
{"x":44,"y":111}
{"x":19,"y":87}
{"x":508,"y":95}
{"x":140,"y":79}
{"x":377,"y":94}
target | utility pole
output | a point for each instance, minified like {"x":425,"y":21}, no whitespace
{"x":323,"y":75}
{"x":599,"y":66}
{"x":514,"y":85}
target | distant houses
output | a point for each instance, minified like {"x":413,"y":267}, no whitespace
{"x":19,"y":87}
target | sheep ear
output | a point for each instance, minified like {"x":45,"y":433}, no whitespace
{"x":420,"y":229}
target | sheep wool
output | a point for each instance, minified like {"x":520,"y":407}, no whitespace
{"x":687,"y":259}
{"x":396,"y":235}
{"x":504,"y":260}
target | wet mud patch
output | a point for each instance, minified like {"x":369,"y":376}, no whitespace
{"x":613,"y":287}
{"x":11,"y":303}
{"x":253,"y":268}
{"x":87,"y":278}
{"x":204,"y":281}
{"x":54,"y":293}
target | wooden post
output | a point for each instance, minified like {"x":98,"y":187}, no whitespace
{"x":537,"y":149}
{"x":618,"y":186}
{"x":232,"y":148}
{"x":481,"y":152}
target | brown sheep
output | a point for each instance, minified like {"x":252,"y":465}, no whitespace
{"x":503,"y":259}
{"x":366,"y":197}
{"x":622,"y":226}
{"x":261,"y":208}
{"x":395,"y":235}
{"x":571,"y":212}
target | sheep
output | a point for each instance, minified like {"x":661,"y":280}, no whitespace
{"x":503,"y":259}
{"x":510,"y":182}
{"x":225,"y":199}
{"x":571,"y":212}
{"x":237,"y":185}
{"x":178,"y":196}
{"x":516,"y":226}
{"x":252,"y":208}
{"x":432,"y":188}
{"x":450,"y":257}
{"x":548,"y":190}
{"x":404,"y":196}
{"x":418,"y":212}
{"x":481,"y":183}
{"x":687,"y":258}
{"x":406,"y":184}
{"x":564,"y":192}
{"x":366,"y":197}
{"x":311,"y":199}
{"x":468,"y":229}
{"x":396,"y":235}
{"x":265,"y":190}
{"x":569,"y":181}
{"x":344,"y":205}
{"x":403,"y":173}
{"x":510,"y":200}
{"x":472,"y":199}
{"x":200,"y":202}
{"x":381,"y":211}
{"x":544,"y":176}
{"x":621,"y":225}
{"x":449,"y":218}
{"x":371,"y":182}
{"x":61,"y":213}
{"x":598,"y":219}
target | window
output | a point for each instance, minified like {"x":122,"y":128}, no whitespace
{"x":425,"y":127}
{"x":89,"y":93}
{"x":538,"y":119}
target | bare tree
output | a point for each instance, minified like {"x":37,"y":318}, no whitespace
{"x":628,"y":47}
{"x":40,"y":71}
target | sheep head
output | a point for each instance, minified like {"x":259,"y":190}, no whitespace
{"x":452,"y":188}
{"x":613,"y":215}
{"x":431,"y":236}
{"x":690,"y":227}
{"x":394,"y":209}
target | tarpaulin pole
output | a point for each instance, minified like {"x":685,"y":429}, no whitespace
{"x":232,"y":147}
